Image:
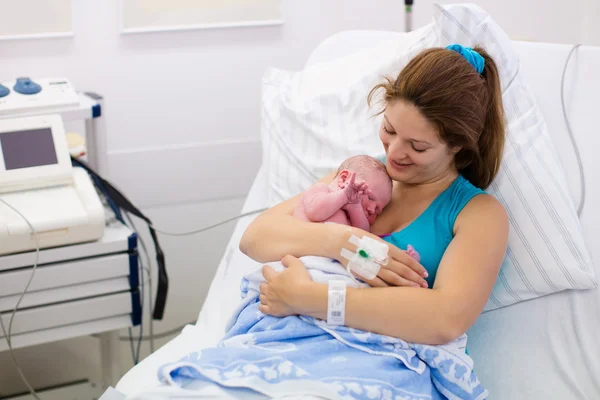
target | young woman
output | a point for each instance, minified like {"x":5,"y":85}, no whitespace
{"x":443,"y":134}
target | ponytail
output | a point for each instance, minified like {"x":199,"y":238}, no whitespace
{"x":486,"y":160}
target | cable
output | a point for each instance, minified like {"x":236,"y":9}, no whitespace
{"x":149,"y":272}
{"x":8,"y":335}
{"x":564,"y":110}
{"x":208,"y":227}
{"x":141,"y":275}
{"x":123,"y":203}
{"x":162,"y":334}
{"x":142,"y":284}
{"x":150,"y":299}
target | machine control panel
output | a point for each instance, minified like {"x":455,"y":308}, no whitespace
{"x":26,"y":95}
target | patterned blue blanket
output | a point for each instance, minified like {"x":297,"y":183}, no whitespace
{"x":304,"y":356}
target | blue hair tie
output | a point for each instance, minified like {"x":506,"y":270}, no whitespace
{"x":473,"y":57}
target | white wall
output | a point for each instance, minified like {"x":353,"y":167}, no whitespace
{"x":591,"y":25}
{"x":539,"y":20}
{"x":177,"y":102}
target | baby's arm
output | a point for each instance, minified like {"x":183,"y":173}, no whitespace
{"x":357,"y":216}
{"x":320,"y":202}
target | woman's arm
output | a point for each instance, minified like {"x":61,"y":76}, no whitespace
{"x":276,"y":233}
{"x":464,"y":281}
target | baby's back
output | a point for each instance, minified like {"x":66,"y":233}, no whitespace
{"x":338,"y":217}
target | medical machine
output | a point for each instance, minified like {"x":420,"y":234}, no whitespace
{"x":38,"y":181}
{"x":66,"y":268}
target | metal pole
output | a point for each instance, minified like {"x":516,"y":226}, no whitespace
{"x":95,"y":129}
{"x":408,"y":15}
{"x":110,"y":361}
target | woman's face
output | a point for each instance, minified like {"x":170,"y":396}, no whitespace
{"x":415,"y":153}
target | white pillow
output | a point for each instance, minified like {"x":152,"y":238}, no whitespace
{"x":314,"y":119}
{"x":306,"y":134}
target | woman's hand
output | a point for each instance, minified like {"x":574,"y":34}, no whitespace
{"x":281,"y":293}
{"x":401,"y":269}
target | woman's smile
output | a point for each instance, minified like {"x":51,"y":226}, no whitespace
{"x":400,"y":166}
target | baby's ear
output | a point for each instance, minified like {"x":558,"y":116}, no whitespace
{"x":342,"y":177}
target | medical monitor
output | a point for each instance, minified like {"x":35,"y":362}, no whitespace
{"x":33,"y":153}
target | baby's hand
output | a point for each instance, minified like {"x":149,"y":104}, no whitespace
{"x":413,"y":253}
{"x":354,"y":191}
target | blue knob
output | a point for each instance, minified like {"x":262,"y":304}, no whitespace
{"x":4,"y":91}
{"x":26,"y":86}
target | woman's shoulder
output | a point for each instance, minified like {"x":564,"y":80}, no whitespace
{"x":482,"y":210}
{"x":471,"y":204}
{"x":463,"y":184}
{"x":457,"y":196}
{"x":479,"y":200}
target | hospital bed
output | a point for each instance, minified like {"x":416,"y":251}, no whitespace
{"x":546,"y":348}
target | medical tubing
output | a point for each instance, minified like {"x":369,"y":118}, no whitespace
{"x":7,"y":335}
{"x":210,"y":226}
{"x":571,"y":136}
{"x":162,"y":334}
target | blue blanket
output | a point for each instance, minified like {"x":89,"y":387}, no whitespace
{"x":300,"y":355}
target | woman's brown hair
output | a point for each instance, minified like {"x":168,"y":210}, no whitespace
{"x":465,"y":106}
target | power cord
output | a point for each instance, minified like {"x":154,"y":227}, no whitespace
{"x":7,"y":335}
{"x":566,"y":117}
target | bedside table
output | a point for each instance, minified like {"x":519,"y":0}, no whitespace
{"x":77,"y":290}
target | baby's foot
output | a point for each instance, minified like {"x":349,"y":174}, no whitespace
{"x":413,"y":253}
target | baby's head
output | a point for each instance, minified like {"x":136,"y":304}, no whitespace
{"x":373,"y":172}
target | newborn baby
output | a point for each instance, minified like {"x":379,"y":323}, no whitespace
{"x":357,"y":195}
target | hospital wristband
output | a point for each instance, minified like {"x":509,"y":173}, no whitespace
{"x":336,"y":302}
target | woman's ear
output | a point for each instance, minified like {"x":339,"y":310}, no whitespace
{"x":454,"y":150}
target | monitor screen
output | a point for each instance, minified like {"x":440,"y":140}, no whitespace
{"x":26,"y":149}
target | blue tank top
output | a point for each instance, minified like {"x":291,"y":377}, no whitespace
{"x":431,"y":232}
